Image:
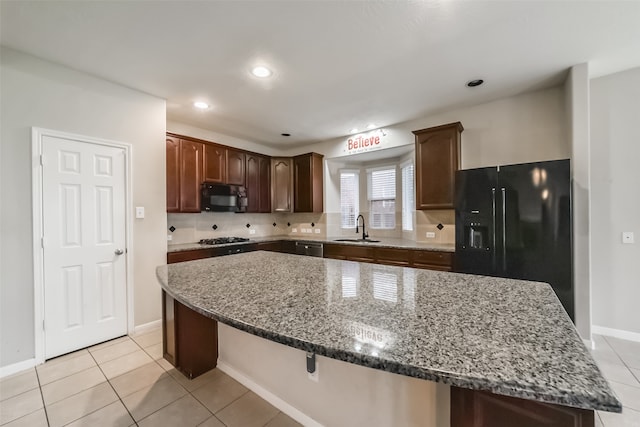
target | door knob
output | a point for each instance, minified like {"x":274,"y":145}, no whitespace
{"x":119,"y":251}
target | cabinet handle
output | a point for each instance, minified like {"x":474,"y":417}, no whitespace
{"x":504,"y":229}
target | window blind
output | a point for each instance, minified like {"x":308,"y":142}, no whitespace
{"x":349,"y":195}
{"x":408,"y":197}
{"x":381,"y":189}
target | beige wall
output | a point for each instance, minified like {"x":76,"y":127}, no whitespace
{"x":345,"y":394}
{"x":615,"y":200}
{"x":577,"y":106}
{"x":523,"y":128}
{"x":41,"y":94}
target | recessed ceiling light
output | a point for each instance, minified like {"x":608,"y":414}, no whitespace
{"x":201,"y":105}
{"x":474,"y":83}
{"x":354,"y":130}
{"x":261,"y":71}
{"x":371,"y":126}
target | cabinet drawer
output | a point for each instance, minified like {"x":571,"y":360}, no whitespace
{"x":433,"y":258}
{"x":359,"y":253}
{"x":270,"y":246}
{"x":393,"y":256}
{"x":173,"y":257}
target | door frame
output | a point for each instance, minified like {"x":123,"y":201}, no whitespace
{"x":37,"y":135}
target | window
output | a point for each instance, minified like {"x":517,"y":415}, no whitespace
{"x":382,"y":197}
{"x":408,"y":197}
{"x":349,"y":195}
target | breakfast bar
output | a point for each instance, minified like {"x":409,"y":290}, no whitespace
{"x":502,"y":338}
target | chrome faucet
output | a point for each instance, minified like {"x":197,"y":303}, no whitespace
{"x":364,"y":235}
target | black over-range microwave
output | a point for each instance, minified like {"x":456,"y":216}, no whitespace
{"x":222,"y":198}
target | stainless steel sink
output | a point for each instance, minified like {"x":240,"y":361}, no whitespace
{"x":357,"y":240}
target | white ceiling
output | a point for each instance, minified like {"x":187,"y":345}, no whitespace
{"x":337,"y":64}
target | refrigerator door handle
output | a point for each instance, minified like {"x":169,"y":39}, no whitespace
{"x":504,"y":229}
{"x":493,"y":217}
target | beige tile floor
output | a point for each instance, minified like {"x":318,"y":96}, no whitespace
{"x":125,"y":382}
{"x":619,"y":361}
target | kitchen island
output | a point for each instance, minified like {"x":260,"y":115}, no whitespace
{"x":502,"y":336}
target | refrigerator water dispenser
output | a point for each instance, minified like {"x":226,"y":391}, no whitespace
{"x":476,"y":236}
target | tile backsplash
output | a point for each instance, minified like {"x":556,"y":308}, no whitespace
{"x":190,"y":228}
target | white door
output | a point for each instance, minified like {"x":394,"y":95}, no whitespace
{"x":85,"y":296}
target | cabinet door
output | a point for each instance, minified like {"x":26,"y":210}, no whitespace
{"x":437,"y":160}
{"x":264,"y":197}
{"x":302,"y":184}
{"x":235,"y":167}
{"x":173,"y":174}
{"x":307,"y":183}
{"x":191,"y":163}
{"x":473,"y":408}
{"x":281,"y":184}
{"x":252,"y":182}
{"x":215,"y":163}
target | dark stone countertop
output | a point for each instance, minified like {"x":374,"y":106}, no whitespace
{"x":505,"y":336}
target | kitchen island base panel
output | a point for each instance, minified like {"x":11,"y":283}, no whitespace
{"x":190,"y":340}
{"x":345,"y":394}
{"x":474,"y":408}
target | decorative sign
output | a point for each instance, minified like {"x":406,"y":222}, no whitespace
{"x":364,"y":142}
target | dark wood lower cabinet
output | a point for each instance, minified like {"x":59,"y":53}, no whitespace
{"x":190,"y":340}
{"x":426,"y":259}
{"x":472,"y":408}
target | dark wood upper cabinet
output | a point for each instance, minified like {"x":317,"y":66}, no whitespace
{"x":235,"y":167}
{"x":258,"y":183}
{"x":173,"y":174}
{"x":264,"y":198}
{"x":215,"y":163}
{"x":437,"y":160}
{"x":282,"y":184}
{"x":191,"y":164}
{"x":307,"y":183}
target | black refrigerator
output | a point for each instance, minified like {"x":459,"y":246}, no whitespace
{"x":515,"y":221}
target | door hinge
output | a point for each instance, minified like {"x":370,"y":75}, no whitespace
{"x":41,"y":160}
{"x":42,"y":242}
{"x":43,"y":325}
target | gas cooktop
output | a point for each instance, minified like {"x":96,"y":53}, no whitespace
{"x":222,"y":240}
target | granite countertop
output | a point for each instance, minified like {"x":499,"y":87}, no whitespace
{"x":384,"y":242}
{"x":505,"y":336}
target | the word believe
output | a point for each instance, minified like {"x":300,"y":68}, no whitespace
{"x":360,"y":142}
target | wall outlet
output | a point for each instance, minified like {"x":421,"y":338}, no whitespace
{"x":317,"y":231}
{"x":252,"y":231}
{"x":431,"y":235}
{"x":169,"y":237}
{"x":294,"y":230}
{"x":627,"y":237}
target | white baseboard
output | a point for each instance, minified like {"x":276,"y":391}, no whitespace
{"x":283,"y":406}
{"x":5,"y":371}
{"x":616,"y":333}
{"x":590,"y":344}
{"x":141,"y":329}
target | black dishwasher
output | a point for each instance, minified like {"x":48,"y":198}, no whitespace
{"x":309,"y":249}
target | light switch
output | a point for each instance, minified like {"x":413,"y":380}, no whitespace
{"x":627,"y":237}
{"x":140,"y":212}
